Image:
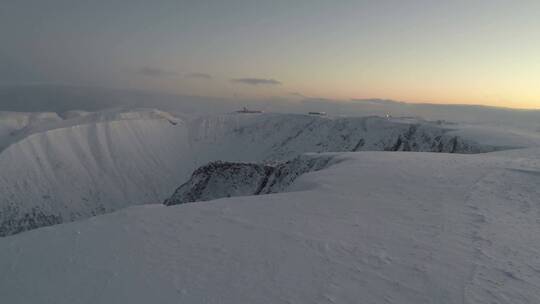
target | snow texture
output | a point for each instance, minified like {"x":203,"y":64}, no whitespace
{"x":374,"y":227}
{"x":57,"y":170}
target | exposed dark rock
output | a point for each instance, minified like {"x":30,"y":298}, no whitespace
{"x":14,"y":221}
{"x":226,"y":179}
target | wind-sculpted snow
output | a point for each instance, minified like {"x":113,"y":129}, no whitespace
{"x":87,"y":164}
{"x":374,"y":227}
{"x":226,"y":179}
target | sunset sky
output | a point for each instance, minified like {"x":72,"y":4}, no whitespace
{"x":467,"y":52}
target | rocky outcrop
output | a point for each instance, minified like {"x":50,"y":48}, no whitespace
{"x":15,"y":220}
{"x":226,"y":179}
{"x":417,"y":139}
{"x":97,"y":163}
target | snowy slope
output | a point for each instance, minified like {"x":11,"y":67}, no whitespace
{"x":376,"y":227}
{"x":85,"y":169}
{"x":94,"y":163}
{"x":11,"y":123}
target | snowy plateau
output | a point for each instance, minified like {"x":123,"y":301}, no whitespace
{"x":152,"y":206}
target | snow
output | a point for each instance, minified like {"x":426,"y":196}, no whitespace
{"x":58,"y":170}
{"x":85,"y":169}
{"x":12,"y":122}
{"x":365,"y":227}
{"x":370,"y":227}
{"x":60,"y":99}
{"x":498,"y":136}
{"x":375,"y":227}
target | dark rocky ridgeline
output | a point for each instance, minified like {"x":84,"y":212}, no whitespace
{"x":416,"y":139}
{"x":266,"y":137}
{"x":227,"y":179}
{"x":13,"y":221}
{"x":371,"y":134}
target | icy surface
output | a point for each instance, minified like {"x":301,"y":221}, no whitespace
{"x":376,"y":227}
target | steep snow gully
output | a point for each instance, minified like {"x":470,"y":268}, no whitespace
{"x":94,"y":163}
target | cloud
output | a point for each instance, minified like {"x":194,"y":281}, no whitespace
{"x":257,"y":81}
{"x":378,"y":101}
{"x":298,"y":94}
{"x":199,"y":75}
{"x":155,"y":72}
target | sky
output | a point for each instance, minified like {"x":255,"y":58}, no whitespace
{"x":465,"y":52}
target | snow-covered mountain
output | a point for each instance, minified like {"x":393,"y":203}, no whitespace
{"x":93,"y":165}
{"x":86,"y":164}
{"x":11,"y":123}
{"x":342,"y":227}
{"x":374,"y":227}
{"x":63,"y":98}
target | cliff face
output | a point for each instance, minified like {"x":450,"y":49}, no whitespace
{"x":226,"y":179}
{"x":57,"y":171}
